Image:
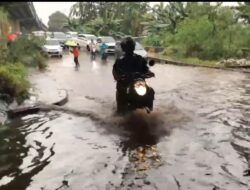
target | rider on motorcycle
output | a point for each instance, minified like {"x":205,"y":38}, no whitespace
{"x":103,"y":47}
{"x":92,"y":48}
{"x":125,"y":65}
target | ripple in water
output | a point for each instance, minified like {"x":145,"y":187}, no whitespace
{"x":20,"y":160}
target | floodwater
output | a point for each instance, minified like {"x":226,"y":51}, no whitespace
{"x":198,"y":138}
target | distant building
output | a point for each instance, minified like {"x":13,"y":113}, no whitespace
{"x":23,"y":18}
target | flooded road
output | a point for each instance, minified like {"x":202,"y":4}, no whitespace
{"x":198,"y":138}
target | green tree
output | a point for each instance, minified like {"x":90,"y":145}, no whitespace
{"x":204,"y":31}
{"x":133,"y":17}
{"x":159,"y":20}
{"x":167,"y":17}
{"x":106,"y":25}
{"x":244,"y":11}
{"x":57,"y":21}
{"x":85,"y":11}
{"x":74,"y":25}
{"x":111,"y":17}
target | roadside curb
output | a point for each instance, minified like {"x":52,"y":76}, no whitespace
{"x":63,"y":100}
{"x":231,"y":68}
{"x":24,"y":110}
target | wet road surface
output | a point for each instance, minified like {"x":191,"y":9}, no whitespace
{"x":198,"y":138}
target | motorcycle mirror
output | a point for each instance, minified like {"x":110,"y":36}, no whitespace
{"x":151,"y":63}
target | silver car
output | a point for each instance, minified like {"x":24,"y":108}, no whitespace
{"x":53,"y":48}
{"x":61,"y":36}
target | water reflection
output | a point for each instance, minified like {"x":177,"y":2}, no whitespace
{"x":140,"y":146}
{"x":241,"y":132}
{"x":17,"y":165}
{"x":197,"y":138}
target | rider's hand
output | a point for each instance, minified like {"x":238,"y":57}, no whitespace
{"x":150,"y":74}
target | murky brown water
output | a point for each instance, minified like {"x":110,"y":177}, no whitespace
{"x":198,"y":138}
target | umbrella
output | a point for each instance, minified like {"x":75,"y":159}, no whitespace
{"x":12,"y":37}
{"x":70,"y":43}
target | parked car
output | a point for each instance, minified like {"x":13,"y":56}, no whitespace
{"x":39,"y":33}
{"x":72,"y":35}
{"x":139,"y":50}
{"x":48,"y":34}
{"x":53,"y":48}
{"x":85,"y":39}
{"x":110,"y":41}
{"x":61,"y":36}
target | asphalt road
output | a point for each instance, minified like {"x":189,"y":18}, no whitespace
{"x":197,"y":138}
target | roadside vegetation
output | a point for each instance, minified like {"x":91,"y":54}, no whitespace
{"x":15,"y":60}
{"x":203,"y":32}
{"x":200,"y":31}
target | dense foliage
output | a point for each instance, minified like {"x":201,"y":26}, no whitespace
{"x":106,"y":18}
{"x":13,"y":82}
{"x":204,"y":31}
{"x":14,"y":60}
{"x":28,"y":52}
{"x":192,"y":29}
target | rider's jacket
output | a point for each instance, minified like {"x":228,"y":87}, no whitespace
{"x":128,"y":64}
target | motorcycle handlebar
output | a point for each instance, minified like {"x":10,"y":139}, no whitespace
{"x":134,"y":75}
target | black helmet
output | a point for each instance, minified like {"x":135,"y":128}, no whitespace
{"x":128,"y":45}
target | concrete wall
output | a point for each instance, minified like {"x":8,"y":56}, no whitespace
{"x":14,"y":26}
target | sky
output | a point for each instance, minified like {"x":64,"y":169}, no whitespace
{"x":45,"y":9}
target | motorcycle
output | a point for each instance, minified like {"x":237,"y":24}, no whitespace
{"x":138,"y":94}
{"x":93,"y":53}
{"x":104,"y":56}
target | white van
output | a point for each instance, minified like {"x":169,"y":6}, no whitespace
{"x":109,"y":40}
{"x":85,"y":39}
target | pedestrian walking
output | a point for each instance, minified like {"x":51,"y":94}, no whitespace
{"x":76,"y":53}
